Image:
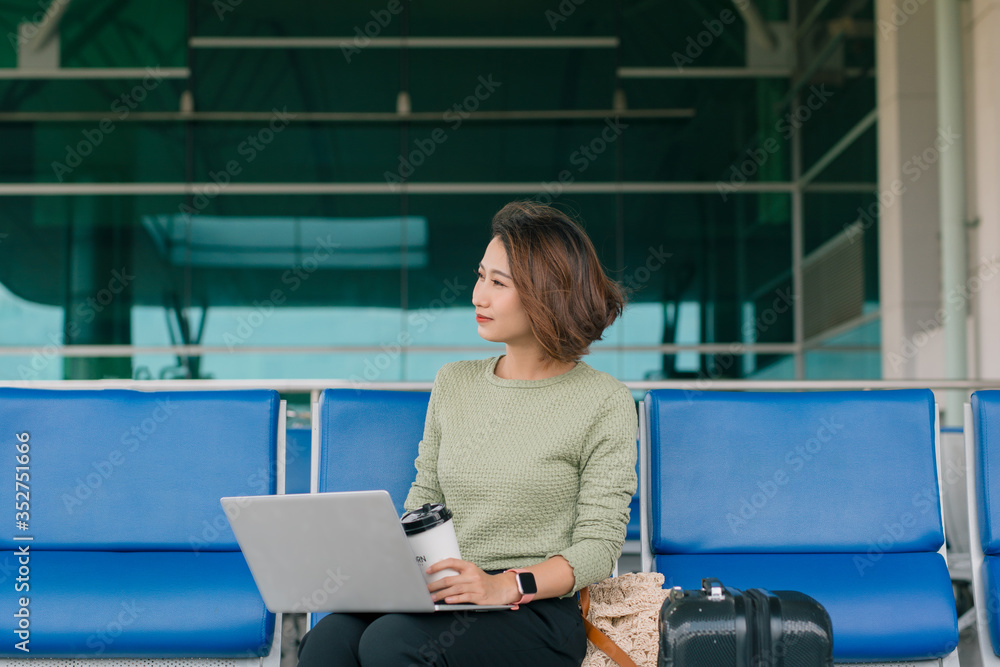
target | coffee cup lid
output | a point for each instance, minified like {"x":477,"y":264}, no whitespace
{"x":425,"y":518}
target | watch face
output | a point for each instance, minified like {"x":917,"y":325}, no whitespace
{"x":526,"y":582}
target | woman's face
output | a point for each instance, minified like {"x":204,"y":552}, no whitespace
{"x":499,"y":313}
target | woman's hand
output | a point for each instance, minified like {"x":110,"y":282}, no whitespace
{"x":471,"y":585}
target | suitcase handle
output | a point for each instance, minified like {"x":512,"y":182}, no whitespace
{"x":713,"y":589}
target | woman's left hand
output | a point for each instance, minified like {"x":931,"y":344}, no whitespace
{"x":471,"y":585}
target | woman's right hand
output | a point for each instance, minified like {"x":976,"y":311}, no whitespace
{"x":472,"y":585}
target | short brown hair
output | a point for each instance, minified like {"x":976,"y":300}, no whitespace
{"x":568,"y":298}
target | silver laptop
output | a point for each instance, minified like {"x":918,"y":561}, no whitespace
{"x":331,"y":552}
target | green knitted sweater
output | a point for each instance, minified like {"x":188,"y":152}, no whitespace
{"x":530,"y":468}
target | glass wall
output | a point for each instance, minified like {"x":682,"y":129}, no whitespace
{"x":215,"y":196}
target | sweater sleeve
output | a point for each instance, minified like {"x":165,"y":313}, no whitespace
{"x":607,"y":483}
{"x":425,"y":488}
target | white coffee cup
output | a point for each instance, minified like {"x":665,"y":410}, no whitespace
{"x":431,"y":534}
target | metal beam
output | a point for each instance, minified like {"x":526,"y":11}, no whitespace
{"x":523,"y":188}
{"x":49,"y":24}
{"x":810,"y":19}
{"x":201,"y":350}
{"x":840,"y":188}
{"x":828,"y":50}
{"x":305,"y":386}
{"x":845,"y":142}
{"x":340,"y":117}
{"x":365,"y":42}
{"x":756,"y":24}
{"x":798,"y":253}
{"x":94,"y":73}
{"x":704,"y":73}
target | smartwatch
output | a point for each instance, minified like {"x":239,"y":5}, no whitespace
{"x":525,"y":586}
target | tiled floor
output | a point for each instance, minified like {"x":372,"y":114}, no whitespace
{"x":968,"y":648}
{"x":293,"y":627}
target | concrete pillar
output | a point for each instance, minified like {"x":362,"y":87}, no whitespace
{"x":909,"y":247}
{"x":983,"y":105}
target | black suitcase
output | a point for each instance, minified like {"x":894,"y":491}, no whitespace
{"x":719,"y":627}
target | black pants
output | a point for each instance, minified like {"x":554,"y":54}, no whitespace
{"x":547,"y":633}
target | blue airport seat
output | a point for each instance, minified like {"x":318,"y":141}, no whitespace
{"x":982,"y":453}
{"x":369,"y":440}
{"x":632,"y":531}
{"x":834,"y":494}
{"x":298,"y":459}
{"x":131,"y":554}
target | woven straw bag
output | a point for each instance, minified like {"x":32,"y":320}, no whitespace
{"x":622,"y":618}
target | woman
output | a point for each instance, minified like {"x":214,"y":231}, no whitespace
{"x":533,"y":452}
